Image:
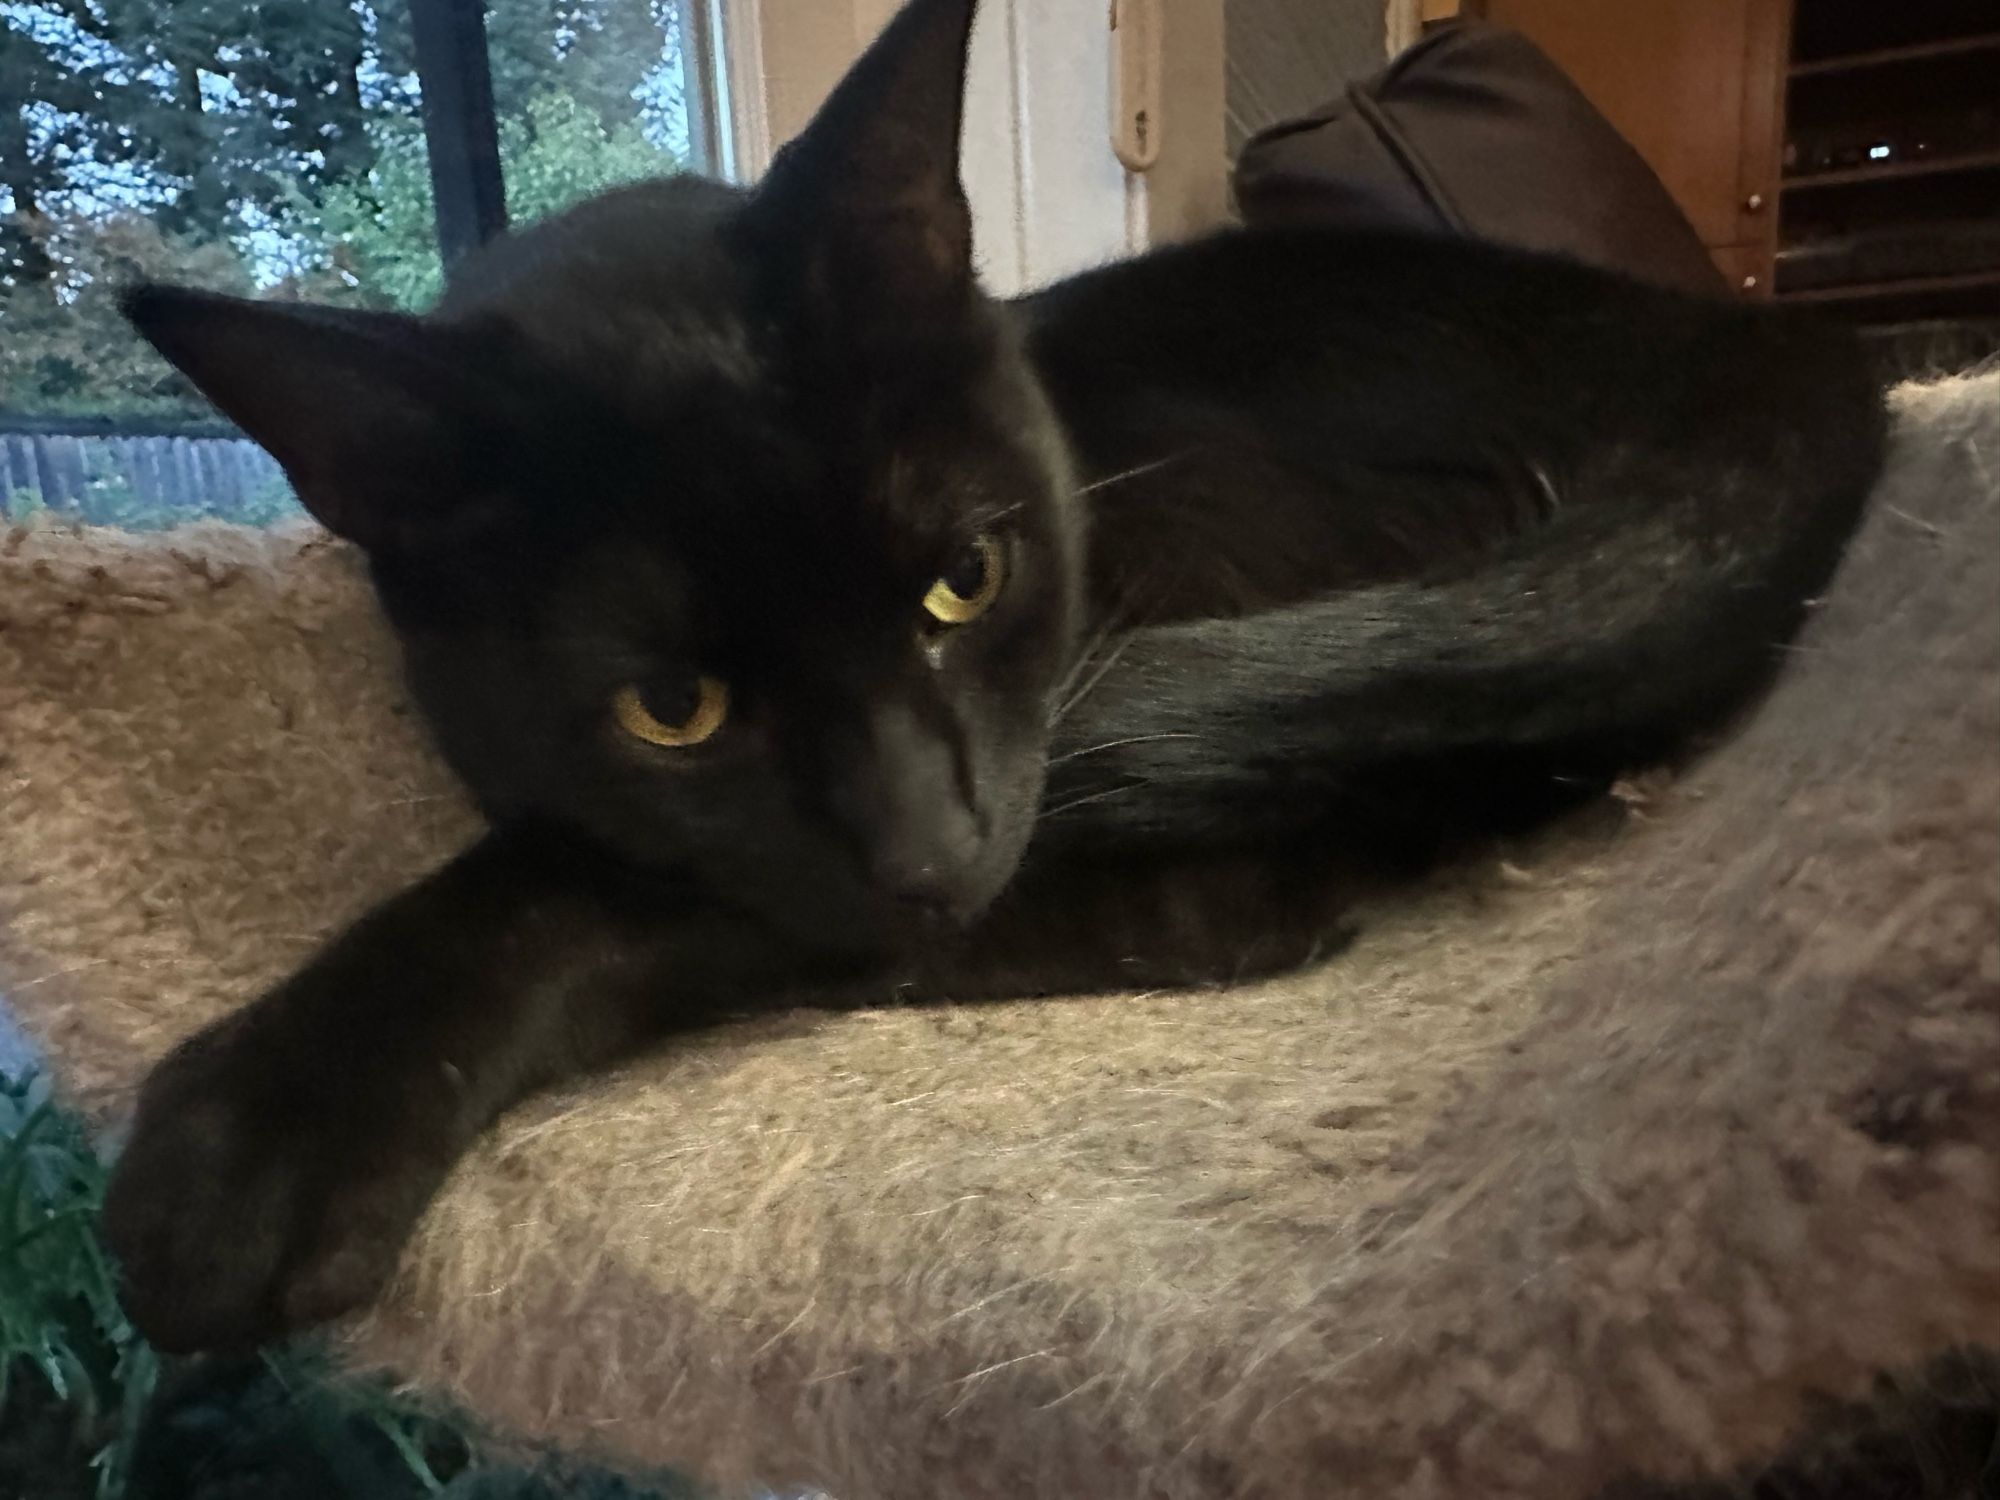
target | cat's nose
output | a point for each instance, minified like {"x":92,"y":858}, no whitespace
{"x":903,"y":801}
{"x":927,"y":879}
{"x":931,"y":907}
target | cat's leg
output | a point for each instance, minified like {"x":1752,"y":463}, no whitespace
{"x":279,"y":1159}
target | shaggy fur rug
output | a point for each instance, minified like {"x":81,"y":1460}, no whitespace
{"x":1608,"y":1158}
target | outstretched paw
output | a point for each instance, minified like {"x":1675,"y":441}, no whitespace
{"x":251,"y":1201}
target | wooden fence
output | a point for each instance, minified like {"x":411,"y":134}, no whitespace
{"x":139,"y":479}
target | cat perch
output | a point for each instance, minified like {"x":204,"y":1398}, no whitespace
{"x":1611,"y":1158}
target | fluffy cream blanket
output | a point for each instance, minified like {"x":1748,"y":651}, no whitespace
{"x":1605,"y":1157}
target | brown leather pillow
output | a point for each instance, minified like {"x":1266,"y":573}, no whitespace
{"x":1475,"y":131}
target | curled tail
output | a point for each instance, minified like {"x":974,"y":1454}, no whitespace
{"x":1656,"y":599}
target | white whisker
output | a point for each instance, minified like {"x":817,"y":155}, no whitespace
{"x":1109,"y":661}
{"x":1084,"y":658}
{"x":1084,"y":801}
{"x":1137,"y":472}
{"x":1135,"y":739}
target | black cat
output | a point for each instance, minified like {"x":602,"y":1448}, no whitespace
{"x":811,"y":626}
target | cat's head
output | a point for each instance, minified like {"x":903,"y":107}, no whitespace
{"x":729,"y":527}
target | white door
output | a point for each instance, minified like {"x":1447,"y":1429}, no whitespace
{"x":1048,"y":195}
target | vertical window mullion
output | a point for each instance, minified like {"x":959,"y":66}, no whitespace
{"x":455,"y":83}
{"x":700,"y":87}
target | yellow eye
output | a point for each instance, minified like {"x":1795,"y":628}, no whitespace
{"x":675,"y":714}
{"x":969,"y":587}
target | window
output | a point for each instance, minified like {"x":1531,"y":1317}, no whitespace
{"x":139,"y":139}
{"x":282,"y":150}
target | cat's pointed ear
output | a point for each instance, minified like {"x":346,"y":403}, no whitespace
{"x":870,"y":190}
{"x":368,"y":413}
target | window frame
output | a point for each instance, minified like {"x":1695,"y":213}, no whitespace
{"x":461,"y":132}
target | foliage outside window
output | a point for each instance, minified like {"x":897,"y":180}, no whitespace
{"x":277,"y":150}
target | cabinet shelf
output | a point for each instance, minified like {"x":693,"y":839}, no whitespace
{"x":1893,"y":171}
{"x":1855,"y":62}
{"x":1908,"y":286}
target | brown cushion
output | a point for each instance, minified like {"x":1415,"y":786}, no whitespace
{"x":1475,"y":131}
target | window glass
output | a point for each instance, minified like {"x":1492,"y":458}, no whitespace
{"x":590,"y":93}
{"x":275,"y":150}
{"x":178,"y":140}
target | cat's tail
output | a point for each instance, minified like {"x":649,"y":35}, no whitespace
{"x":1657,"y":598}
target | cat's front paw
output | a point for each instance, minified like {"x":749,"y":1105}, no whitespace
{"x":251,"y":1201}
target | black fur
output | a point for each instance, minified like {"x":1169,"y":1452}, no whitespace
{"x":1301,"y":530}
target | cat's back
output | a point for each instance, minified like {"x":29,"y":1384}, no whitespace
{"x":1263,"y":307}
{"x":1373,"y":404}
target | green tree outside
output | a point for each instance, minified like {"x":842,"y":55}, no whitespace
{"x":148,"y":142}
{"x":381,"y":230}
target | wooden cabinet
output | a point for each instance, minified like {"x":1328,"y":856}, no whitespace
{"x":1698,"y":87}
{"x":1891,"y":196}
{"x":1842,"y":152}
